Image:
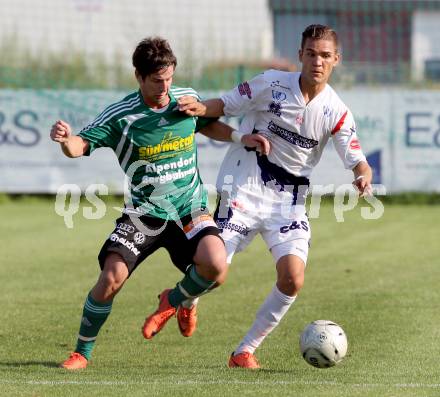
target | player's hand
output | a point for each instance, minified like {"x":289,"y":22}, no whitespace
{"x":190,"y":106}
{"x":60,"y":131}
{"x":257,"y":141}
{"x":363,"y":185}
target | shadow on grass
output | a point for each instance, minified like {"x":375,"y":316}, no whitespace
{"x":276,"y":371}
{"x":18,"y":364}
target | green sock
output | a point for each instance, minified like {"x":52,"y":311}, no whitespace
{"x":94,"y":316}
{"x":191,"y":286}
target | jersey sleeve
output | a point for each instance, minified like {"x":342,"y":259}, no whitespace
{"x":244,"y":97}
{"x":100,"y":135}
{"x":346,"y":141}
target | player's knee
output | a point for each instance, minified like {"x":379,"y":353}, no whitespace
{"x":296,"y":283}
{"x":220,"y":273}
{"x":210,"y":259}
{"x":290,"y":286}
{"x":290,"y":283}
{"x":111,"y":279}
{"x":290,"y":271}
{"x":214,"y":268}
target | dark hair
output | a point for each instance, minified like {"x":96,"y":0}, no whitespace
{"x":151,"y":55}
{"x":317,"y":32}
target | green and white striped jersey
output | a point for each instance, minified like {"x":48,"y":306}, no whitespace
{"x":157,"y":151}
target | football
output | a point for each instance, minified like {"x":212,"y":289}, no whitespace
{"x":323,"y":343}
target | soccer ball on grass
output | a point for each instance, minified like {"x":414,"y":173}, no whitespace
{"x":323,"y":343}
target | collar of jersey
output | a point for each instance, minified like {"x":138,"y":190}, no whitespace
{"x":170,"y":105}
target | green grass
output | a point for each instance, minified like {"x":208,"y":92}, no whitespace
{"x":378,"y":279}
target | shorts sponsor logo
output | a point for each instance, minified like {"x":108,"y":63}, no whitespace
{"x":233,"y":227}
{"x":295,"y":226}
{"x":139,"y":238}
{"x":128,"y":244}
{"x":198,"y":224}
{"x":125,"y":227}
{"x":291,"y":136}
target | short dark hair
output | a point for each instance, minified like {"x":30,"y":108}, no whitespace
{"x":151,"y":55}
{"x":317,"y":32}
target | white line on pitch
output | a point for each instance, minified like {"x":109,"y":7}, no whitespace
{"x":219,"y":382}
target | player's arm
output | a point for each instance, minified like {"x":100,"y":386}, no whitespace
{"x":349,"y":150}
{"x":241,"y":99}
{"x":363,"y":176}
{"x":71,"y":145}
{"x":222,"y":132}
{"x":218,"y":131}
{"x":209,"y":108}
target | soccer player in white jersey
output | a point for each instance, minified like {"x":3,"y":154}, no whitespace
{"x":298,"y":113}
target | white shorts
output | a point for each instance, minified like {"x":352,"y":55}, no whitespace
{"x":284,"y":235}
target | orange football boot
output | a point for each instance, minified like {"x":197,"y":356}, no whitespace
{"x":154,"y":323}
{"x":243,"y":360}
{"x":75,"y":361}
{"x":187,"y":320}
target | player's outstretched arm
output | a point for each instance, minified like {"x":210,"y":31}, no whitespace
{"x":208,"y":108}
{"x":218,"y":131}
{"x":222,"y":132}
{"x":71,"y":145}
{"x":362,"y":178}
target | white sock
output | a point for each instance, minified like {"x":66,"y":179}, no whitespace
{"x":268,"y":317}
{"x":190,"y":302}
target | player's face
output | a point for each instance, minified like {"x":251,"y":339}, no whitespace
{"x":318,"y":58}
{"x":155,"y":87}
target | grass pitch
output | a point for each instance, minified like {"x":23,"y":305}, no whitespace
{"x":378,"y":279}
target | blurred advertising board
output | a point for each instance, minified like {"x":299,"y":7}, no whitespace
{"x":399,"y":132}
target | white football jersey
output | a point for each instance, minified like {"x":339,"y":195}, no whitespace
{"x":298,"y":132}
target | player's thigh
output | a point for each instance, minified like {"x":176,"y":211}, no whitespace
{"x":195,"y":239}
{"x":288,"y":236}
{"x":115,"y":270}
{"x":111,"y":279}
{"x":237,"y":231}
{"x":211,"y":252}
{"x":132,"y":240}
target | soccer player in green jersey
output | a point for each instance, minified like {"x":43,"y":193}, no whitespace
{"x":166,"y":205}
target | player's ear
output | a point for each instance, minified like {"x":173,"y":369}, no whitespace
{"x":337,"y":58}
{"x":138,"y":76}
